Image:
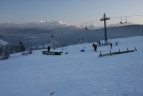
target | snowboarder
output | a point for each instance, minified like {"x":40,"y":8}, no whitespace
{"x":95,"y":47}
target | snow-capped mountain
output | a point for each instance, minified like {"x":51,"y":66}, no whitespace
{"x":39,"y":25}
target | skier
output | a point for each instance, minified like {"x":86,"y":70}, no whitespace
{"x":95,"y":47}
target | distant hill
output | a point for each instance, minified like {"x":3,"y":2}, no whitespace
{"x":39,"y":34}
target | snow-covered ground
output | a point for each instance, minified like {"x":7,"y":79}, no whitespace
{"x":77,"y":73}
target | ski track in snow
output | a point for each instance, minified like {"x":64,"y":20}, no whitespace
{"x":77,"y":73}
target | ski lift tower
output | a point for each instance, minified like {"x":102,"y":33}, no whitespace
{"x":104,"y":19}
{"x":53,"y":42}
{"x":0,"y":48}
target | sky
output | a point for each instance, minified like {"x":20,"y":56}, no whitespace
{"x":68,"y":11}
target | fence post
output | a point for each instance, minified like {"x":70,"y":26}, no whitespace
{"x":110,"y":53}
{"x":135,"y":49}
{"x":100,"y":54}
{"x":127,"y":49}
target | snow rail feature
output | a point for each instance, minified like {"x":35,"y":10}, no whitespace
{"x":115,"y":53}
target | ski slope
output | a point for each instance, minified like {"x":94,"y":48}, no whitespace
{"x":77,"y":73}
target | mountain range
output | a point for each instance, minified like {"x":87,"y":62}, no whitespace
{"x":41,"y":33}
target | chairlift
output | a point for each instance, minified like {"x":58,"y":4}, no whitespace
{"x":125,"y":19}
{"x":121,"y":21}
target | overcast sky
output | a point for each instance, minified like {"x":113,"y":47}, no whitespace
{"x":69,"y":11}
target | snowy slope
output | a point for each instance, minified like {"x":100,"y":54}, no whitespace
{"x":77,"y":73}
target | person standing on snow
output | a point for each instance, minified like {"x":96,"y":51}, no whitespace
{"x":116,"y":43}
{"x":48,"y":48}
{"x":110,"y":45}
{"x":95,"y":47}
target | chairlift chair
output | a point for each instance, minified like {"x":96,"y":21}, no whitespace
{"x":121,"y":21}
{"x":125,"y":19}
